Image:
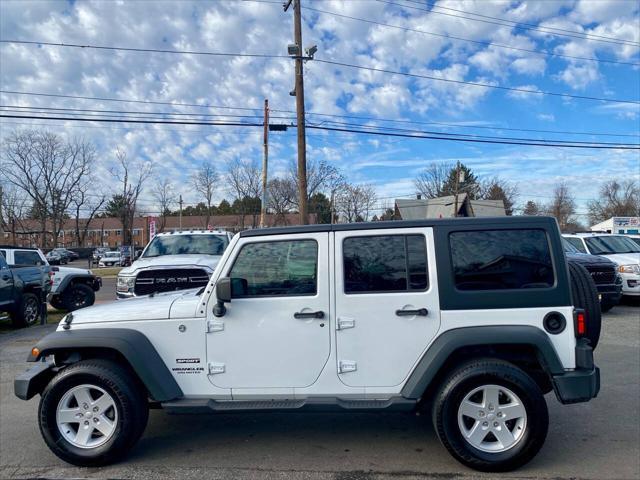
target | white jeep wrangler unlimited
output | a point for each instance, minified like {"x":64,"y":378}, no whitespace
{"x":470,"y":318}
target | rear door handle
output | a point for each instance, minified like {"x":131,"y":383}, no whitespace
{"x":318,"y":314}
{"x":423,"y":312}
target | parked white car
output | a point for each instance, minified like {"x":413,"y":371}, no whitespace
{"x":71,"y":288}
{"x":620,"y":249}
{"x":173,"y":261}
{"x":110,"y":259}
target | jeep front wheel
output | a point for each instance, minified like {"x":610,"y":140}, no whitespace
{"x":92,"y":413}
{"x":491,"y":416}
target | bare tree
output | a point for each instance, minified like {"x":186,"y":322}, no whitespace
{"x":563,"y":206}
{"x":204,"y":181}
{"x":87,"y":205}
{"x":132,"y":176}
{"x":14,"y":210}
{"x":498,"y":189}
{"x":49,"y":171}
{"x":282,"y":197}
{"x":355,"y":202}
{"x":617,"y":199}
{"x":321,"y":177}
{"x":244,"y":179}
{"x":164,"y":194}
{"x":431,"y":182}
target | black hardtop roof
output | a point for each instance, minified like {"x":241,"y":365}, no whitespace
{"x":17,"y":248}
{"x":501,"y":222}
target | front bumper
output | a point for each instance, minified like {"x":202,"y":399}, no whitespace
{"x":581,"y":384}
{"x":33,"y":381}
{"x":630,"y":283}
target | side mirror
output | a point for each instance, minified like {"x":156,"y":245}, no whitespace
{"x":138,"y":253}
{"x":223,"y":290}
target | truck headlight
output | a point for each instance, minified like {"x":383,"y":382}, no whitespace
{"x":125,"y":284}
{"x":629,"y":269}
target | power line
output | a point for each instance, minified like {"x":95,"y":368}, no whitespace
{"x":146,"y":50}
{"x":538,"y":143}
{"x":511,"y":24}
{"x":478,"y":42}
{"x":477,"y":84}
{"x":591,"y":35}
{"x":108,"y":99}
{"x":356,"y":125}
{"x":354,"y":117}
{"x":350,"y":65}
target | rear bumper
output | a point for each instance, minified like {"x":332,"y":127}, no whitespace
{"x":33,"y":381}
{"x":581,"y":384}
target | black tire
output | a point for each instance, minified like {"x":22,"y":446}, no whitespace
{"x":585,"y":296}
{"x":131,"y":404}
{"x":78,"y":295}
{"x":56,"y":302}
{"x":28,"y":311}
{"x":463,"y":381}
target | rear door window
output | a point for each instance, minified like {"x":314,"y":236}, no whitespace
{"x":501,"y":259}
{"x":385,"y":263}
{"x":24,"y":257}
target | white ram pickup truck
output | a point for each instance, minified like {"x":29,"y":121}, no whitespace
{"x":173,"y":261}
{"x":470,"y":320}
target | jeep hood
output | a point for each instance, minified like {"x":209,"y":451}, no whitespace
{"x":182,"y":304}
{"x":207,"y":261}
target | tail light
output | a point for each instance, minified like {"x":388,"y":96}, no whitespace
{"x":580,"y":322}
{"x":51,"y":274}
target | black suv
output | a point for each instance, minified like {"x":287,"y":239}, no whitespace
{"x":603,"y":272}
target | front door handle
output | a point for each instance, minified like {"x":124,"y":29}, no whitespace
{"x":422,"y":312}
{"x":318,"y":314}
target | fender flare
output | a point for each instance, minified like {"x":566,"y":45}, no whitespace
{"x":66,"y":281}
{"x":133,"y":345}
{"x":450,"y":341}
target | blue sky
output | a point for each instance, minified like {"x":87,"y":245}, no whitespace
{"x":390,"y":164}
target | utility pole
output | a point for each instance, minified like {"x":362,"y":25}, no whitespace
{"x":180,"y":202}
{"x":1,"y":218}
{"x":455,"y":208}
{"x":299,"y":93}
{"x":265,"y":160}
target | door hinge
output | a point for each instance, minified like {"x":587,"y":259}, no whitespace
{"x":215,"y":326}
{"x":345,"y":322}
{"x":215,"y":368}
{"x":345,"y":366}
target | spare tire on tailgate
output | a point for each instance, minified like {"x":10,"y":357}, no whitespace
{"x":585,"y":296}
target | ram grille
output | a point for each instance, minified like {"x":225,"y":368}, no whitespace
{"x":158,"y":281}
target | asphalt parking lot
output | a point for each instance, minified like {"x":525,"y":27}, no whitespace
{"x":596,"y":440}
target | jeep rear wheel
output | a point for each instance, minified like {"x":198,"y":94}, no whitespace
{"x":78,"y":296}
{"x":28,"y":312}
{"x":92,"y":413}
{"x":491,"y":416}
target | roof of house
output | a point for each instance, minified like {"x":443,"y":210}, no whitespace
{"x":444,"y":207}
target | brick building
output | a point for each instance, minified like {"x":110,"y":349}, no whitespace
{"x":107,"y":232}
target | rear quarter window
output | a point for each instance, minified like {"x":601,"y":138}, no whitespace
{"x":501,"y":260}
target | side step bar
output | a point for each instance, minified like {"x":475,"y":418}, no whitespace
{"x":316,"y":404}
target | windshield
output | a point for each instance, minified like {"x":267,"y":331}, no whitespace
{"x":613,"y":244}
{"x":187,"y":245}
{"x":568,"y":248}
{"x":112,"y":254}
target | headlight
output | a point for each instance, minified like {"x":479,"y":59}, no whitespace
{"x":629,"y":269}
{"x":125,"y":284}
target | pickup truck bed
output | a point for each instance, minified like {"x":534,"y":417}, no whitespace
{"x":22,"y":290}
